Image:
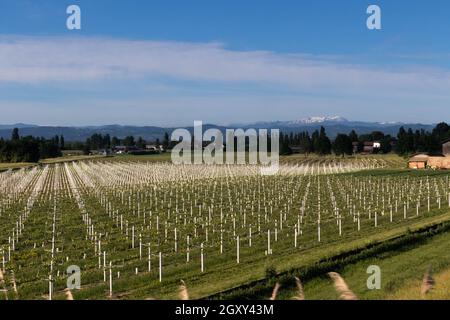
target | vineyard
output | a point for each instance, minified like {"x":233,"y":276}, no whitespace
{"x":136,"y":228}
{"x":367,"y":161}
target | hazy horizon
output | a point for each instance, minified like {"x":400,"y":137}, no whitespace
{"x":169,"y":63}
{"x":210,"y":123}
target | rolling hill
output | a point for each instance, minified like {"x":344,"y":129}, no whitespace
{"x":333,"y":126}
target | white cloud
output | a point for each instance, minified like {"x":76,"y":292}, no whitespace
{"x":49,"y":60}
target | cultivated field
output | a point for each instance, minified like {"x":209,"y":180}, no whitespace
{"x":375,"y":161}
{"x":135,"y":228}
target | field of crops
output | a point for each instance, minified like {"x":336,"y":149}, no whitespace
{"x":374,"y":160}
{"x":136,"y":228}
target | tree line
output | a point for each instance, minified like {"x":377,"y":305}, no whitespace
{"x":105,"y":142}
{"x":407,"y":141}
{"x":29,"y":149}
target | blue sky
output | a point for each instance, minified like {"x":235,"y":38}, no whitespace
{"x":170,"y":62}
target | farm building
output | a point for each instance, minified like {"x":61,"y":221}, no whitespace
{"x":419,"y":161}
{"x":446,"y":148}
{"x":439,"y":162}
{"x":154,"y":147}
{"x":371,"y":146}
{"x":422,"y":161}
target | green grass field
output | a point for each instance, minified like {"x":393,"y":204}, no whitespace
{"x":402,"y":271}
{"x":392,"y":161}
{"x":116,"y":203}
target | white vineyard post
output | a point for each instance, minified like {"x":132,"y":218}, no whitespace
{"x":50,"y":289}
{"x":237,"y":249}
{"x":295,"y":236}
{"x":187,"y":249}
{"x":110,"y":279}
{"x":140,"y":246}
{"x":201,"y":259}
{"x":160,"y":267}
{"x":132,"y":237}
{"x":318,"y":230}
{"x":176,"y":240}
{"x":104,"y":266}
{"x":359,"y":222}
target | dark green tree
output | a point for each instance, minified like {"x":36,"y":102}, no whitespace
{"x":353,"y":136}
{"x":129,"y":141}
{"x":140,"y":143}
{"x":386,"y":144}
{"x":62,"y":143}
{"x":284,"y":144}
{"x":441,"y":131}
{"x":115,"y":142}
{"x":305,"y":143}
{"x":323,"y":143}
{"x":15,"y":135}
{"x":166,"y":141}
{"x":342,"y":145}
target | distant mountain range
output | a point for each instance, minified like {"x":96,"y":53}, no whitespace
{"x":333,"y":126}
{"x":323,"y":121}
{"x":17,"y":125}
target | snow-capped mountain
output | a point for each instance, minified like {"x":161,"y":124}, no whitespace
{"x":318,"y":119}
{"x":309,"y":121}
{"x":334,"y":125}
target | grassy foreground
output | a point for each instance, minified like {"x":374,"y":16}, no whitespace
{"x":255,"y":272}
{"x":402,"y":271}
{"x":410,"y":290}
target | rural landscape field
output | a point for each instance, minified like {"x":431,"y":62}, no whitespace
{"x":138,"y":226}
{"x":224,"y":158}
